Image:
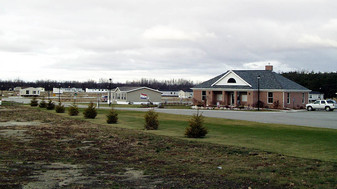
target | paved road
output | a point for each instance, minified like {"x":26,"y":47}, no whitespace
{"x":303,"y":118}
{"x":321,"y":119}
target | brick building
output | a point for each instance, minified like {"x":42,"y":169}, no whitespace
{"x":245,"y":87}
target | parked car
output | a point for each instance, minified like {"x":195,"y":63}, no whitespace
{"x":328,"y":105}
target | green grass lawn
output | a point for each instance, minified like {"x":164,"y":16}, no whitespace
{"x":298,"y":141}
{"x":235,"y":154}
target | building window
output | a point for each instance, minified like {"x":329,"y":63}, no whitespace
{"x":270,"y":98}
{"x":288,"y":98}
{"x":303,"y":97}
{"x":27,"y":92}
{"x":34,"y":92}
{"x":203,"y":95}
{"x":231,"y":80}
{"x":244,"y":98}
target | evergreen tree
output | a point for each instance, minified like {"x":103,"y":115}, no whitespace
{"x":90,"y":112}
{"x":196,"y":128}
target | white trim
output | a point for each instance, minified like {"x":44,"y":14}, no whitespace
{"x":268,"y":97}
{"x":231,"y":89}
{"x":231,"y":72}
{"x":289,"y":98}
{"x":283,"y":100}
{"x":222,"y":89}
{"x":136,"y":89}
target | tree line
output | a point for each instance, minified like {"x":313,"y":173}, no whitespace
{"x":166,"y":85}
{"x":316,"y":81}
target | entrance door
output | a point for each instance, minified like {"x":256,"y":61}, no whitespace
{"x":231,"y":98}
{"x":219,"y":97}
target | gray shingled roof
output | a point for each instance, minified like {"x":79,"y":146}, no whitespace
{"x":268,"y":80}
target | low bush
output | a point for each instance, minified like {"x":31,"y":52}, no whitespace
{"x":90,"y":112}
{"x":59,"y":108}
{"x":260,"y":104}
{"x":160,"y":105}
{"x":151,"y":120}
{"x":50,"y":105}
{"x":73,"y":110}
{"x":43,"y":104}
{"x":196,"y":128}
{"x":34,"y":102}
{"x":112,"y":117}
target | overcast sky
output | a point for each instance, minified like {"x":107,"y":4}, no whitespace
{"x":163,"y":39}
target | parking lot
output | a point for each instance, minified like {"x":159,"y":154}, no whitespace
{"x":321,"y":119}
{"x":303,"y":118}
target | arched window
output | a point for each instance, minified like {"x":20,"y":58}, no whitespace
{"x":231,"y":80}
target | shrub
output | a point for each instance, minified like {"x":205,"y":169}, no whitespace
{"x":59,"y":108}
{"x":73,"y":110}
{"x":90,"y":112}
{"x":151,"y":120}
{"x":34,"y":102}
{"x":112,"y":117}
{"x":276,"y":104}
{"x":50,"y":105}
{"x":261,"y":103}
{"x":43,"y":104}
{"x":196,"y":128}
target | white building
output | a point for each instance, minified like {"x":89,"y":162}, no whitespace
{"x":185,"y":94}
{"x":41,"y":89}
{"x":30,"y":91}
{"x":67,"y":90}
{"x":96,"y":90}
{"x":314,"y":95}
{"x":170,"y":93}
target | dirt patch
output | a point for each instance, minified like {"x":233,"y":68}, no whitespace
{"x":134,"y":175}
{"x":17,"y":133}
{"x":20,"y":134}
{"x":18,"y":123}
{"x":58,"y":175}
{"x":4,"y":109}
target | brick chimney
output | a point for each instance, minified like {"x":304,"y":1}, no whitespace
{"x":269,"y":67}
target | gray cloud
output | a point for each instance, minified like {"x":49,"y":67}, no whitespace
{"x":192,"y":39}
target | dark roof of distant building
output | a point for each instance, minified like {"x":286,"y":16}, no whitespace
{"x":315,"y":92}
{"x":268,"y":80}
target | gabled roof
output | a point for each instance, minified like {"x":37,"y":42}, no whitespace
{"x":130,"y":89}
{"x":268,"y":80}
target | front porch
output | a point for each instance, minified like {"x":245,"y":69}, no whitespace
{"x":227,"y":98}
